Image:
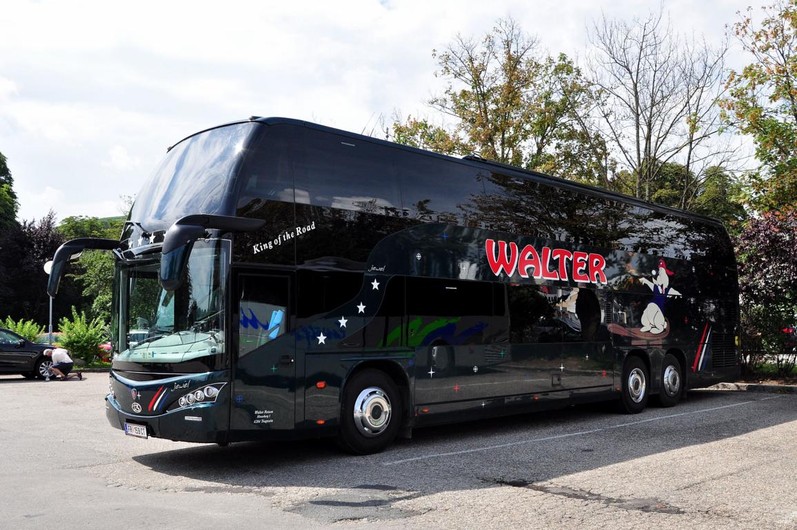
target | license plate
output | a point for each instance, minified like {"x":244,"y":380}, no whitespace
{"x":134,"y":429}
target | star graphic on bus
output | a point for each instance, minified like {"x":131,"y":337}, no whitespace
{"x":322,"y":338}
{"x":361,"y":308}
{"x":375,"y":285}
{"x":342,"y":321}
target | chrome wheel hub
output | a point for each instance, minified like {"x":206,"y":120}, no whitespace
{"x":671,"y":381}
{"x":636,"y":385}
{"x":372,"y":411}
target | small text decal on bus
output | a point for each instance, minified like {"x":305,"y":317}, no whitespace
{"x":550,"y":264}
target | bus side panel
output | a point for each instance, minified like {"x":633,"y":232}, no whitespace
{"x":326,"y":375}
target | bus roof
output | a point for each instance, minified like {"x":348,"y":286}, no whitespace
{"x":480,"y":162}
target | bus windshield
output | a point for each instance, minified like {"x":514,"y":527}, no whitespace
{"x":159,"y":326}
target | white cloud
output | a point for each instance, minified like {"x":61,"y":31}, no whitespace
{"x":42,"y":200}
{"x":92,"y":93}
{"x":119,"y":159}
{"x":7,"y":88}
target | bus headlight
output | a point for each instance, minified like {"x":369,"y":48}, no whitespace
{"x":203,"y":394}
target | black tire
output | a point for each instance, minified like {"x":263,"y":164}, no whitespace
{"x":371,"y":413}
{"x":42,"y":367}
{"x":671,"y":383}
{"x":634,"y":397}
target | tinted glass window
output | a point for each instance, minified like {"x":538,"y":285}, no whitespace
{"x":267,"y":174}
{"x":450,"y":298}
{"x":321,"y":292}
{"x":8,"y":338}
{"x":339,"y":172}
{"x":548,"y":314}
{"x":264,"y":310}
{"x":194,"y":177}
{"x":439,"y":190}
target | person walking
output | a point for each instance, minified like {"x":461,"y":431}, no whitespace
{"x":62,"y":363}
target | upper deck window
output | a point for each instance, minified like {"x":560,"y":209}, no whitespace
{"x":194,"y":178}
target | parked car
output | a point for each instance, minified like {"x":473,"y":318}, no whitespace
{"x":20,"y":356}
{"x":44,"y":338}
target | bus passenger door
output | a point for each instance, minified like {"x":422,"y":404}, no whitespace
{"x":264,"y":367}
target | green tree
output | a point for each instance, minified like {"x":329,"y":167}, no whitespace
{"x":721,"y":196}
{"x":82,"y":336}
{"x":717,"y":194}
{"x":25,"y":249}
{"x":768,"y":277}
{"x":762,"y":101}
{"x":84,"y":226}
{"x":423,"y":135}
{"x":8,"y":198}
{"x":512,"y":106}
{"x":657,"y":94}
{"x":94,"y":269}
{"x":25,"y":328}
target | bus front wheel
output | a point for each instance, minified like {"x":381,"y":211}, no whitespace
{"x":371,"y":413}
{"x":634,"y":395}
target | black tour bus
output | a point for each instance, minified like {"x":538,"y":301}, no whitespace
{"x":276,"y":278}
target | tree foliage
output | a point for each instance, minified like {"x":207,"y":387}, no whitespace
{"x":657,"y":94}
{"x":25,"y":328}
{"x":721,"y":197}
{"x":84,"y":226}
{"x":94,"y":268}
{"x":8,"y":198}
{"x":767,"y":253}
{"x":762,"y":101}
{"x":82,"y":336}
{"x":23,"y":289}
{"x":511,"y":106}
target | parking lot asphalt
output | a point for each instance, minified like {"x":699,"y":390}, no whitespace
{"x":724,"y":458}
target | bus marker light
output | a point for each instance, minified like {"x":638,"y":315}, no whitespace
{"x":320,"y":422}
{"x":424,"y":410}
{"x":321,"y":385}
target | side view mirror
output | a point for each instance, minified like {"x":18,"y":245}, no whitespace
{"x":70,"y":251}
{"x":180,"y":238}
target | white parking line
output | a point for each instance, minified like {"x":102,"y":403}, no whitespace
{"x":570,"y":435}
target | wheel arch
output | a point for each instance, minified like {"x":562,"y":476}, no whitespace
{"x":643,"y":355}
{"x":394,"y":371}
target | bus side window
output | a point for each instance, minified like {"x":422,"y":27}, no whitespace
{"x":531,"y":315}
{"x":588,"y":310}
{"x":263,"y":310}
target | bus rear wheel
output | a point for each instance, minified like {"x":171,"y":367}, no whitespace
{"x":634,"y":396}
{"x":671,"y":383}
{"x":371,"y":413}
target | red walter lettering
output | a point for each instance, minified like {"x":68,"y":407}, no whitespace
{"x":549,"y":264}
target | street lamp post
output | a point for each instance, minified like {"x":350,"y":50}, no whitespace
{"x":47,"y":268}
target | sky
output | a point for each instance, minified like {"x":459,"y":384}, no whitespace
{"x":92,"y":92}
